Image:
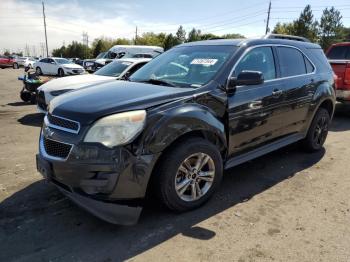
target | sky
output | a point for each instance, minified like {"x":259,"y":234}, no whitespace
{"x":21,"y":21}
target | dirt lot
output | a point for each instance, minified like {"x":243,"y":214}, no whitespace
{"x":286,"y":206}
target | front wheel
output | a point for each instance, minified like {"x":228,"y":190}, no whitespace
{"x":189,"y":174}
{"x":38,"y":71}
{"x":318,"y":131}
{"x":60,"y":72}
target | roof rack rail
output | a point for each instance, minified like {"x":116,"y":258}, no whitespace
{"x":287,"y":37}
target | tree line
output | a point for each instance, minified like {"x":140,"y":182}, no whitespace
{"x":328,"y":30}
{"x":167,"y":41}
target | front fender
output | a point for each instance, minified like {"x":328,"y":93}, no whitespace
{"x":183,"y":119}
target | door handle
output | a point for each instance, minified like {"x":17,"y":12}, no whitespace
{"x":277,"y":92}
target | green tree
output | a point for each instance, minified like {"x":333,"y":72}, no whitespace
{"x":151,"y":38}
{"x":233,"y":36}
{"x":208,"y":36}
{"x":181,"y":35}
{"x":283,"y":28}
{"x":194,"y":35}
{"x":169,"y":42}
{"x":7,"y":53}
{"x":330,"y":29}
{"x":99,"y":47}
{"x":306,"y":25}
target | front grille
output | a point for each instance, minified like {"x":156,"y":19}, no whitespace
{"x":40,"y":99}
{"x":58,"y":122}
{"x":77,"y":71}
{"x":56,"y":149}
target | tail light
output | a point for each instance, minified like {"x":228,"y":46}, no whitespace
{"x":347,"y":74}
{"x":335,"y":77}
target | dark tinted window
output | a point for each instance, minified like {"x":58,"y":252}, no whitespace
{"x":309,"y":66}
{"x":291,"y":61}
{"x":44,"y":60}
{"x":136,"y":67}
{"x":339,"y":52}
{"x":259,"y":59}
{"x":113,"y":69}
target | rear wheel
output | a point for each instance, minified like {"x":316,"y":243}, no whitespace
{"x":318,"y":131}
{"x":60,"y":72}
{"x":38,"y":71}
{"x":189,"y":174}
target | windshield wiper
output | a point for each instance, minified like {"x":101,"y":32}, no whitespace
{"x":158,"y":82}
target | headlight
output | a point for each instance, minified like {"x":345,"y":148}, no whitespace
{"x":60,"y":92}
{"x":118,"y":129}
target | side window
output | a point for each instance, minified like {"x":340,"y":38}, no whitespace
{"x":291,"y":61}
{"x":259,"y":59}
{"x":339,"y":52}
{"x":135,"y":68}
{"x":44,"y":60}
{"x":309,"y":66}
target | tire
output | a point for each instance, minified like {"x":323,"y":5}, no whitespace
{"x":60,"y":72}
{"x":15,"y":66}
{"x":33,"y":99}
{"x":317,"y":132}
{"x":25,"y":96}
{"x":171,"y":174}
{"x":38,"y":71}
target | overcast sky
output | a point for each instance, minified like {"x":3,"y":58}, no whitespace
{"x":21,"y":21}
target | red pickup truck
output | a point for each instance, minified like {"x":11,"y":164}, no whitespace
{"x":339,"y":58}
{"x":7,"y":61}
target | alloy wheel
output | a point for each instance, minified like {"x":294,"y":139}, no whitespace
{"x":194,"y":177}
{"x":321,"y":131}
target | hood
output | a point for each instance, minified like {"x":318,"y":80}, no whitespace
{"x":73,"y":66}
{"x":88,"y":104}
{"x":73,"y":82}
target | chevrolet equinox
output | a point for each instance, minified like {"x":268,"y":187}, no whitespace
{"x":182,"y":119}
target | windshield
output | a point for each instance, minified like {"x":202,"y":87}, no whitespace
{"x":101,"y":55}
{"x":113,"y":69}
{"x":187,"y":66}
{"x":63,"y":61}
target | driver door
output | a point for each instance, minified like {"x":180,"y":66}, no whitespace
{"x":255,"y":115}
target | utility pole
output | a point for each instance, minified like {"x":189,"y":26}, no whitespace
{"x":268,"y":19}
{"x":136,"y":36}
{"x":47,"y":49}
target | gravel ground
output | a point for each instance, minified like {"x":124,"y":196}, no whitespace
{"x":286,"y":206}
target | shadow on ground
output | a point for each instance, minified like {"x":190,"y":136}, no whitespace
{"x":35,"y":119}
{"x":20,"y":103}
{"x":46,"y":226}
{"x":341,"y":120}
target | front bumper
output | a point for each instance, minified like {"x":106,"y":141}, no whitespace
{"x":74,"y":71}
{"x":109,"y":183}
{"x":343,"y":95}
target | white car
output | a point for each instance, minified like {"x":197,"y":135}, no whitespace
{"x":57,"y":66}
{"x":25,"y":61}
{"x":119,"y":69}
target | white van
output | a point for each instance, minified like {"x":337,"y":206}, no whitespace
{"x":130,"y":51}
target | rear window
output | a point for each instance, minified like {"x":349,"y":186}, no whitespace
{"x":291,"y":62}
{"x":339,"y":52}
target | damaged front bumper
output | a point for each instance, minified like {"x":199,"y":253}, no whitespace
{"x":109,"y":183}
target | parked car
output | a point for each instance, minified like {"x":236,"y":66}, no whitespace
{"x":339,"y":58}
{"x":25,"y":62}
{"x":117,"y":70}
{"x":7,"y":61}
{"x":182,"y":119}
{"x":57,"y":66}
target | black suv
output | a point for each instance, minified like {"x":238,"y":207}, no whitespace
{"x":181,"y":120}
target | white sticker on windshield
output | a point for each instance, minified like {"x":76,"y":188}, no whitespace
{"x":204,"y":61}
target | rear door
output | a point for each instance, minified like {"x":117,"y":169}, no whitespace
{"x":255,"y":115}
{"x":299,"y":86}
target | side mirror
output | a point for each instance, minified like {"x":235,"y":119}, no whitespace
{"x":246,"y":78}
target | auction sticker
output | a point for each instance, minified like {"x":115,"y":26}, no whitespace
{"x":204,"y":61}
